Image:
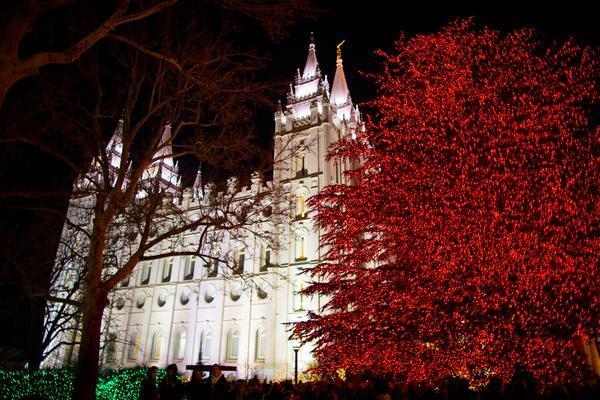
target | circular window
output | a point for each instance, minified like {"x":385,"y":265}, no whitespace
{"x":162,"y":299}
{"x":140,"y":300}
{"x":185,"y":296}
{"x":235,"y":293}
{"x":120,"y":303}
{"x":209,"y":294}
{"x":267,"y":211}
{"x":262,"y":294}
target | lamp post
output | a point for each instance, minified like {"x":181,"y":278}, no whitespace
{"x":296,"y":349}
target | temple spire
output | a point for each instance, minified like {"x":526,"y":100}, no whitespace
{"x":197,"y":187}
{"x":339,"y":90}
{"x":311,"y":66}
{"x":165,"y":147}
{"x":114,"y":147}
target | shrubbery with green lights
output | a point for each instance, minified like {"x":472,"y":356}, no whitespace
{"x":57,"y":384}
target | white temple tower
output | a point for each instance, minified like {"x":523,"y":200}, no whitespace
{"x":175,"y":310}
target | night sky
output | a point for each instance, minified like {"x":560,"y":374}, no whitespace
{"x":365,"y":26}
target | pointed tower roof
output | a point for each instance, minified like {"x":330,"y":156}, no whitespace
{"x":165,"y":152}
{"x":311,"y":66}
{"x":114,"y":148}
{"x":339,"y":89}
{"x":197,"y":186}
{"x":117,"y":137}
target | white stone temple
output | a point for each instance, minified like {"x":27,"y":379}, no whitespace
{"x":175,"y":310}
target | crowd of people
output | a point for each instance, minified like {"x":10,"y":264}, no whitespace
{"x":217,"y":387}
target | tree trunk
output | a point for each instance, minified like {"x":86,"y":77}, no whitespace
{"x":89,"y":349}
{"x":6,"y":83}
{"x":34,"y":350}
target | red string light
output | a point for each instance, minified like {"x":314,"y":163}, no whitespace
{"x":468,"y":240}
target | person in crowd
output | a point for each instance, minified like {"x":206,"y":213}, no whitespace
{"x":254,"y":389}
{"x":238,"y":392}
{"x":274,"y":393}
{"x":217,"y":384}
{"x":381,"y":390}
{"x":197,"y":388}
{"x":355,"y":387}
{"x":171,"y":387}
{"x":493,"y":390}
{"x":149,"y":390}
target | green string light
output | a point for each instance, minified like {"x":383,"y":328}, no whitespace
{"x":57,"y":384}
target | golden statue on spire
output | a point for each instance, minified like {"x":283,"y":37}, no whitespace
{"x":339,"y":50}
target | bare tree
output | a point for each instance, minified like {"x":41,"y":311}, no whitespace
{"x":25,"y":14}
{"x":189,"y":93}
{"x":23,"y":20}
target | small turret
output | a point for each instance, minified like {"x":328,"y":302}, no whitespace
{"x":197,"y":186}
{"x":312,"y":65}
{"x":114,"y":148}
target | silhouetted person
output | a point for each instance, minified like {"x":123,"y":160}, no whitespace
{"x":458,"y":389}
{"x":238,"y":392}
{"x":171,"y":387}
{"x":381,"y":390}
{"x":254,"y":389}
{"x":493,"y":390}
{"x":197,"y":388}
{"x":217,"y":384}
{"x":275,"y":393}
{"x":523,"y":385}
{"x":149,"y":390}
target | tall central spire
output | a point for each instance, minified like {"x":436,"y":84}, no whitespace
{"x":339,"y":89}
{"x":310,"y":68}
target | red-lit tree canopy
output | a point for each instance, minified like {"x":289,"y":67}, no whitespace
{"x":468,"y":240}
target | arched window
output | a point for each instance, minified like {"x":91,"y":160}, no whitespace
{"x":240,"y":261}
{"x":210,"y":293}
{"x":301,"y":165}
{"x":235,"y":293}
{"x":162,"y":298}
{"x":111,"y":346}
{"x":212,"y":268}
{"x":167,"y":268}
{"x":120,"y":303}
{"x":301,"y":242}
{"x":233,"y":342}
{"x":265,"y":258}
{"x":298,"y":296}
{"x":345,"y":168}
{"x":140,"y":300}
{"x":156,"y":345}
{"x":133,"y":345}
{"x":301,"y":205}
{"x":146,"y":269}
{"x":179,"y":345}
{"x":259,"y":349}
{"x":335,"y":168}
{"x":190,"y":265}
{"x":205,"y":345}
{"x":185,"y":296}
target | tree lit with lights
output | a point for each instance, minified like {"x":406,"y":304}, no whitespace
{"x":467,"y":242}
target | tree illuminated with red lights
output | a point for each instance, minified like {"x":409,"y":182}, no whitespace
{"x":468,"y":241}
